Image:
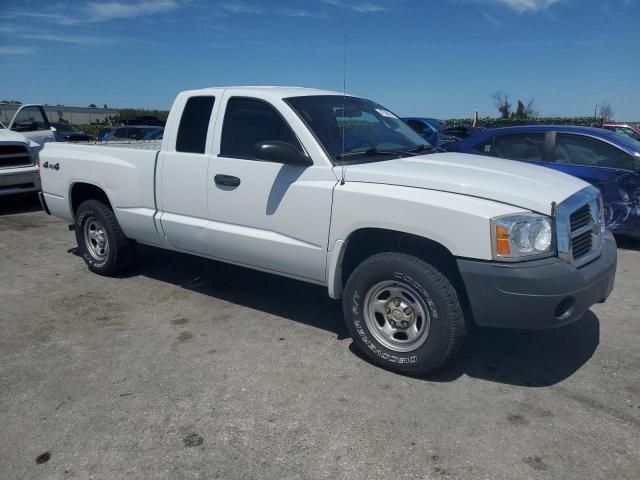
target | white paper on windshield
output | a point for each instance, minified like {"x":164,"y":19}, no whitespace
{"x":385,"y":113}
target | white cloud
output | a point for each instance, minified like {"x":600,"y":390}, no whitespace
{"x":242,"y":7}
{"x":527,"y":5}
{"x":73,"y":39}
{"x":93,"y":11}
{"x":357,"y":6}
{"x":100,"y":11}
{"x":496,"y":22}
{"x":7,"y":50}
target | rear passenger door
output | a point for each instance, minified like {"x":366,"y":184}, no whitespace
{"x":183,"y":170}
{"x":264,"y":214}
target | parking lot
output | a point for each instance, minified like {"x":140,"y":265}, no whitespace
{"x":188,"y":368}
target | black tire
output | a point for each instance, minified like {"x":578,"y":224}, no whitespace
{"x":446,"y":326}
{"x":121,"y":250}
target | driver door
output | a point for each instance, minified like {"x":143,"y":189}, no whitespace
{"x":264,"y":214}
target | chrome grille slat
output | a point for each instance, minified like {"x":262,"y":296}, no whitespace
{"x":581,"y":218}
{"x":579,"y":227}
{"x":582,"y":230}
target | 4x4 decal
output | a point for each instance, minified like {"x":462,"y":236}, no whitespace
{"x":51,"y":165}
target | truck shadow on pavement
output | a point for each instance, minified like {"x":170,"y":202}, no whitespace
{"x":514,"y":357}
{"x":302,"y":302}
{"x":25,"y":203}
{"x":534,"y":358}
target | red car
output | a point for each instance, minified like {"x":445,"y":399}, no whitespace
{"x":630,"y":129}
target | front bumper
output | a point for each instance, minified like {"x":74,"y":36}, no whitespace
{"x":537,"y":294}
{"x":19,"y":180}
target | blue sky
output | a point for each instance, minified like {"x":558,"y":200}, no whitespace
{"x":441,"y":58}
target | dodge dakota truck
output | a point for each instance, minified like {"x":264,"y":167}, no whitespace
{"x":336,"y":190}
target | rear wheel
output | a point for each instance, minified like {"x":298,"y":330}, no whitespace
{"x":403,"y":313}
{"x":103,"y":245}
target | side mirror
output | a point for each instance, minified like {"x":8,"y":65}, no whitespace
{"x":280,"y":152}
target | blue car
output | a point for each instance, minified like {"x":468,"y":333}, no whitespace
{"x":433,"y":131}
{"x":606,"y":159}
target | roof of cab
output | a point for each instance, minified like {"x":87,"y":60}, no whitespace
{"x":265,"y":91}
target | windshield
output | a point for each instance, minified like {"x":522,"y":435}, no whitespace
{"x":629,"y":141}
{"x":355,"y":128}
{"x":436,"y":124}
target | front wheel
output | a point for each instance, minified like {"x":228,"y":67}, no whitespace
{"x":103,"y":245}
{"x":403,"y":314}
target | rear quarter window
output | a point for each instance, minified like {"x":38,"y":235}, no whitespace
{"x":194,"y":124}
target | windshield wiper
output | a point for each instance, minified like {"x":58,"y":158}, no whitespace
{"x":375,"y":151}
{"x":424,"y":148}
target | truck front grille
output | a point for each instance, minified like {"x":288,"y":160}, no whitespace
{"x":14,"y":156}
{"x":580,"y":227}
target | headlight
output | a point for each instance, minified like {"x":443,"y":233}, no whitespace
{"x":522,"y":237}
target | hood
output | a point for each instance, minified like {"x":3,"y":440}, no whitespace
{"x":506,"y":181}
{"x":7,"y":135}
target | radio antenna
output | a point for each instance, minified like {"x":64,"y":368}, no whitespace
{"x":344,"y":103}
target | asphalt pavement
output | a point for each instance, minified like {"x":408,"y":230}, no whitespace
{"x":188,"y":368}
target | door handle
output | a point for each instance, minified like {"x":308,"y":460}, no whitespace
{"x":226,"y":180}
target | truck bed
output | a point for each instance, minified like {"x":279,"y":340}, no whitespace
{"x":134,"y":144}
{"x":124,"y":171}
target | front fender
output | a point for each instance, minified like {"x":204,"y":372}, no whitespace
{"x":459,"y":223}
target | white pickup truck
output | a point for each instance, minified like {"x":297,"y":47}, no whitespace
{"x":20,"y":143}
{"x":336,"y":190}
{"x":18,"y":163}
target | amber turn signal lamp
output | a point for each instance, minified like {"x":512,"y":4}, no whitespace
{"x":502,"y":241}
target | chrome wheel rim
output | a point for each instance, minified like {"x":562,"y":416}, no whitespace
{"x":396,"y":316}
{"x":95,"y":237}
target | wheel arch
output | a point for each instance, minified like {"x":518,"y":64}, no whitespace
{"x":365,"y":242}
{"x":82,"y":191}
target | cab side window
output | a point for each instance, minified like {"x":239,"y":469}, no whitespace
{"x":586,"y":151}
{"x":248,"y":121}
{"x":194,"y":124}
{"x":517,"y":146}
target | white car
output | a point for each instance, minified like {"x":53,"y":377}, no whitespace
{"x":336,"y":190}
